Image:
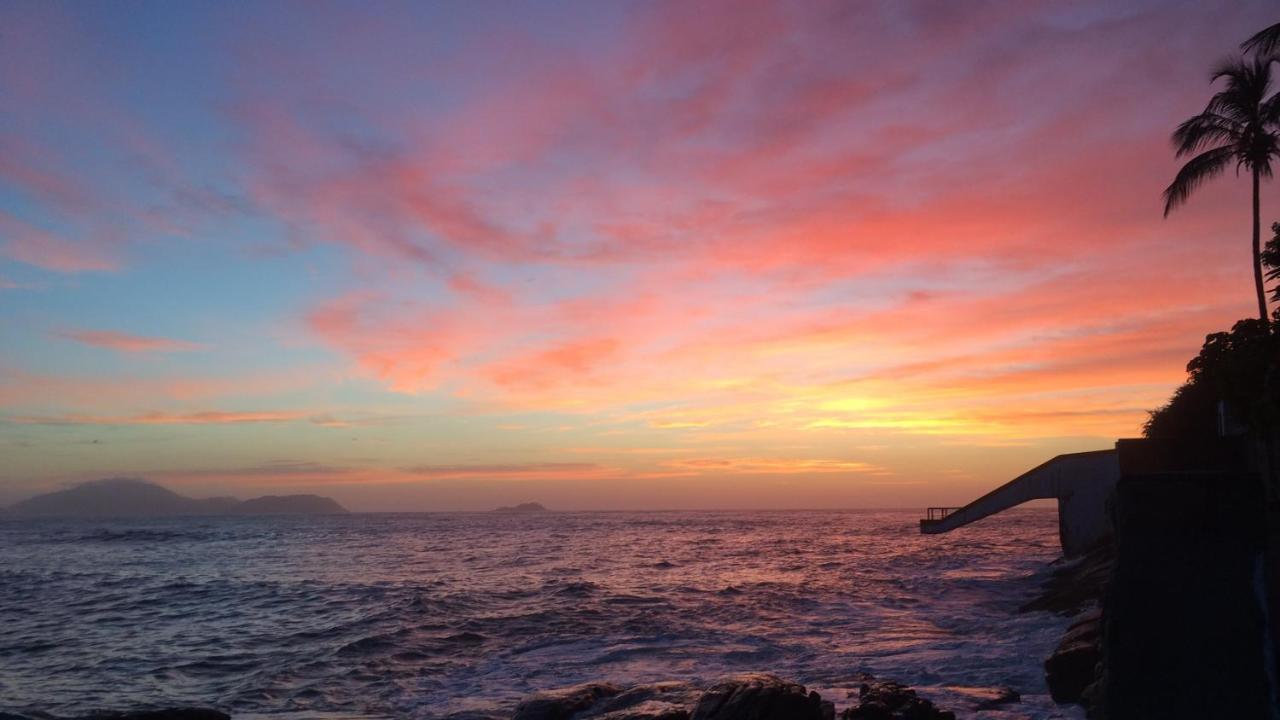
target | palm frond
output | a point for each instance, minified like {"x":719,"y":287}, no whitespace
{"x":1204,"y":130}
{"x":1199,"y":169}
{"x":1271,"y":253}
{"x":1265,"y":42}
{"x":1270,"y":110}
{"x":1248,"y":84}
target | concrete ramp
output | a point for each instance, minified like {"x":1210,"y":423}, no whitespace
{"x":1081,"y":483}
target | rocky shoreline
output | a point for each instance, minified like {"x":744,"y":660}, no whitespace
{"x":1076,"y":590}
{"x":755,"y":696}
{"x":744,"y":697}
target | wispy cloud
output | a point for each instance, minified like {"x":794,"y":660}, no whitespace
{"x":203,"y":417}
{"x":127,"y":343}
{"x":545,"y":470}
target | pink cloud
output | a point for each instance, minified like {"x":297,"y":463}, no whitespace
{"x":127,"y":343}
{"x":31,"y":245}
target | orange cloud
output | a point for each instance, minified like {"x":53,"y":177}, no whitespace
{"x":771,"y":466}
{"x":544,"y":470}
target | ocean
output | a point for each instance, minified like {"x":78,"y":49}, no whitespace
{"x":459,"y":615}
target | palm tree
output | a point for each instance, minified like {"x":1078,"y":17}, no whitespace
{"x":1264,"y":43}
{"x":1240,"y":125}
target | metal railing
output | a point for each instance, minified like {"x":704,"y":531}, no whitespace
{"x":935,"y":514}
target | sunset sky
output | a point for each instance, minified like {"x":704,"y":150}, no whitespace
{"x":601,"y":255}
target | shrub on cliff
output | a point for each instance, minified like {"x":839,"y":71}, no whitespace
{"x":1240,"y":368}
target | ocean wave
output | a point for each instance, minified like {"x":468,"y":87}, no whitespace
{"x":434,"y":616}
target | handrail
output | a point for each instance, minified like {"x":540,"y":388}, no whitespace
{"x":939,"y":513}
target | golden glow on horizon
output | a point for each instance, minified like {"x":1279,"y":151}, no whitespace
{"x":596,"y":267}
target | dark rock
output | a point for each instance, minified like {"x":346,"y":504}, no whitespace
{"x":564,"y":703}
{"x":1072,"y":668}
{"x":986,"y":698}
{"x":658,"y":701}
{"x":1077,"y":583}
{"x":1086,"y":628}
{"x":888,"y":700}
{"x":1002,"y":696}
{"x":758,"y":697}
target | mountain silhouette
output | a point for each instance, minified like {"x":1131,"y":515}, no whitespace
{"x":289,"y":505}
{"x":529,"y":507}
{"x":135,"y":497}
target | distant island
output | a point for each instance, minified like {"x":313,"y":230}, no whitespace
{"x":134,"y":497}
{"x":529,"y":507}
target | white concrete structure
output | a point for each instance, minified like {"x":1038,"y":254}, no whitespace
{"x":1082,"y":483}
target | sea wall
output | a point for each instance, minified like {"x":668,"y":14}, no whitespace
{"x":1184,"y":632}
{"x":1182,"y":629}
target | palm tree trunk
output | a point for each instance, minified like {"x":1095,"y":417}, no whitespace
{"x":1257,"y":252}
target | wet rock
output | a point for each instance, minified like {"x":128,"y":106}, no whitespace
{"x":564,"y":703}
{"x":987,"y":698}
{"x":1077,"y":584}
{"x":760,"y":697}
{"x":1001,"y":696}
{"x":658,"y":701}
{"x":1073,"y":665}
{"x":888,"y":700}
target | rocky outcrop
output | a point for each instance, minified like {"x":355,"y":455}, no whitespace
{"x":888,"y":700}
{"x":659,"y":701}
{"x":1077,"y":589}
{"x":564,"y":703}
{"x":1076,"y":584}
{"x":760,"y":697}
{"x":744,"y":697}
{"x":606,"y":701}
{"x":1073,"y":666}
{"x":999,"y":697}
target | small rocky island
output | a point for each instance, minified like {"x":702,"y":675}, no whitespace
{"x":529,"y":507}
{"x":134,"y":497}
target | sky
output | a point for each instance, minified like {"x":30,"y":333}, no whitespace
{"x":601,"y":255}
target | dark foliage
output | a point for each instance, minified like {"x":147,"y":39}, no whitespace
{"x":1239,"y":367}
{"x":1271,"y":260}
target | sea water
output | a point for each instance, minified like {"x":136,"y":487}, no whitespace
{"x":460,"y":615}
